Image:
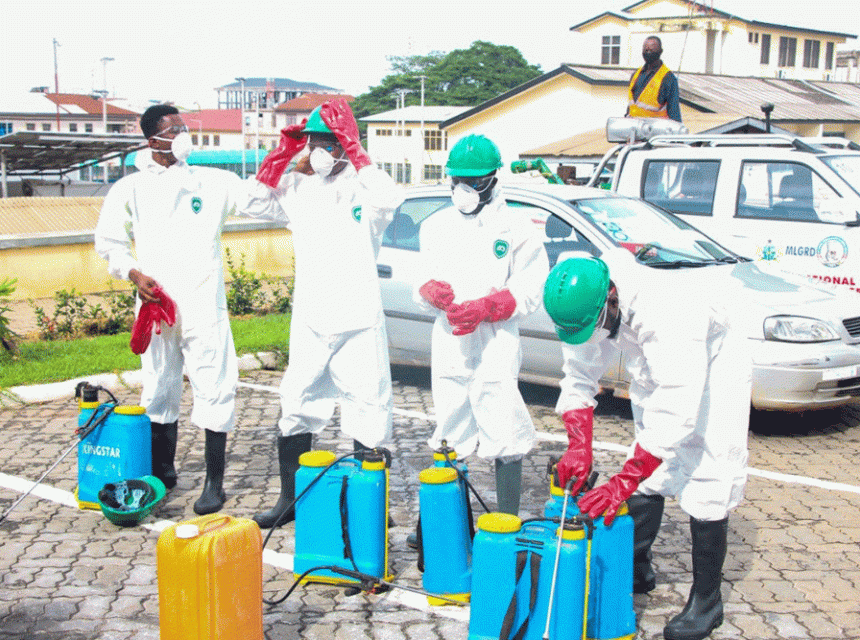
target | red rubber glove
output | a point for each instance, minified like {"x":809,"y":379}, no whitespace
{"x":466,"y":317}
{"x":439,"y":294}
{"x":576,"y":462}
{"x":274,"y":164}
{"x":150,"y":317}
{"x":605,"y":500}
{"x":338,"y":116}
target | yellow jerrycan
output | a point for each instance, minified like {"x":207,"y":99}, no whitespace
{"x":210,"y":579}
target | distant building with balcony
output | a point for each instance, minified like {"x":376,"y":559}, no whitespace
{"x":703,"y":38}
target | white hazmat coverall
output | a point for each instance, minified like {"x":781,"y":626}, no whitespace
{"x":173,"y":217}
{"x":474,"y":376}
{"x":690,"y":383}
{"x":338,"y":344}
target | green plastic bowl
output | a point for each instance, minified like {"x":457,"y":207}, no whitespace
{"x":127,"y":502}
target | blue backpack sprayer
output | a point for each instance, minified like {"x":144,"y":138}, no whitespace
{"x":610,"y":601}
{"x":341,"y":508}
{"x":446,"y":527}
{"x":90,"y":421}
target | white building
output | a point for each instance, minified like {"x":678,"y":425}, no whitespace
{"x":703,"y":38}
{"x":408,"y":144}
{"x":69,"y":113}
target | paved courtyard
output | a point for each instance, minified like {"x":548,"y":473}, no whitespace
{"x":793,"y":566}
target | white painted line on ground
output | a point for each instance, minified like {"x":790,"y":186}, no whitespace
{"x":623,"y":448}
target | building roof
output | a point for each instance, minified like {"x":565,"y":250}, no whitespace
{"x":223,"y":120}
{"x":278,"y":84}
{"x":307,"y":102}
{"x":31,"y":152}
{"x":47,"y":216}
{"x":794,"y":100}
{"x":78,"y":103}
{"x":417,"y":113}
{"x":757,"y":14}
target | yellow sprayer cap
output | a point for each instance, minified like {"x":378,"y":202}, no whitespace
{"x":316,"y":458}
{"x":129,"y":410}
{"x":437,"y":475}
{"x":499,"y":523}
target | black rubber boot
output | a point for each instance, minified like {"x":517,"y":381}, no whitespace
{"x":289,"y":450}
{"x":164,"y":452}
{"x":647,"y":514}
{"x":213,"y":496}
{"x":704,"y":610}
{"x":509,"y":482}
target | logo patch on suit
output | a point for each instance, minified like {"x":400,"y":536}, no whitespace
{"x":500,"y":248}
{"x":356,"y":213}
{"x":196,"y":204}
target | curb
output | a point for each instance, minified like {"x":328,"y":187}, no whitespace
{"x":66,"y":389}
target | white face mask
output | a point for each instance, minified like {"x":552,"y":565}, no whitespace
{"x":465,"y":198}
{"x":323,"y":163}
{"x":180,"y":146}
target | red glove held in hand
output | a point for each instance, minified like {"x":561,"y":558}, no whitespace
{"x":150,"y":317}
{"x":576,"y":462}
{"x":338,"y":116}
{"x":607,"y":498}
{"x":274,"y":165}
{"x":466,"y":317}
{"x":439,"y":294}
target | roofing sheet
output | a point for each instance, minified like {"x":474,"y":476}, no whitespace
{"x":29,"y":152}
{"x":793,"y":99}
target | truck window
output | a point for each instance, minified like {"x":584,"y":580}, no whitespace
{"x":785,"y":191}
{"x":682,"y":186}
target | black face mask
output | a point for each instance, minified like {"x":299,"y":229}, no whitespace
{"x":651,"y":57}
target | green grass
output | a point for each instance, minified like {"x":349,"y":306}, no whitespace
{"x":54,"y":361}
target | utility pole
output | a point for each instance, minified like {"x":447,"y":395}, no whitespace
{"x":56,"y":82}
{"x":423,"y":143}
{"x":242,"y":114}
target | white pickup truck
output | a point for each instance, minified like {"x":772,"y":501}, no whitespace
{"x":791,"y":202}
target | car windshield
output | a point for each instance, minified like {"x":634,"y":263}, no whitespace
{"x":848,"y":167}
{"x":656,"y":238}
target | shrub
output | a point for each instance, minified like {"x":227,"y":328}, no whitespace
{"x":246,"y":294}
{"x":74,"y":317}
{"x":7,"y":336}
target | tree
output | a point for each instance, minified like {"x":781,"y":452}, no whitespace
{"x":463,"y":77}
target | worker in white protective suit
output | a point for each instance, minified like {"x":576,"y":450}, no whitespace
{"x":690,"y":394}
{"x":175,"y":213}
{"x":337,"y":204}
{"x":483,"y":266}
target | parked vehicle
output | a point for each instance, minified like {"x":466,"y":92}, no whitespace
{"x":786,"y":201}
{"x":803,"y":338}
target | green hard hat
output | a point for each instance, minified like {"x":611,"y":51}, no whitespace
{"x":574,"y":295}
{"x":473,"y":155}
{"x":126,"y":502}
{"x":315,"y":123}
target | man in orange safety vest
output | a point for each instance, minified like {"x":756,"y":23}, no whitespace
{"x":653,"y":91}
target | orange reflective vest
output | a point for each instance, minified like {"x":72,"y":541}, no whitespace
{"x":648,"y":104}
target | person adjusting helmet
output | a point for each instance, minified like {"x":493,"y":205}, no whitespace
{"x":690,"y":393}
{"x":337,"y":204}
{"x":482,"y":269}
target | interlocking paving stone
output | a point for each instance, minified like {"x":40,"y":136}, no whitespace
{"x":792,"y":571}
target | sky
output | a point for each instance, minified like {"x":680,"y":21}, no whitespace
{"x":181,"y":50}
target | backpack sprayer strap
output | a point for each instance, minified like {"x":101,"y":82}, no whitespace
{"x":510,"y":614}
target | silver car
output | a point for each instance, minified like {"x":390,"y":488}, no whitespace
{"x":804,"y":338}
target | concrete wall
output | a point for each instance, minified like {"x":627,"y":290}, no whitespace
{"x":44,"y":265}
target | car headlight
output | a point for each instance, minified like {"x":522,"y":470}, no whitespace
{"x":798,"y":329}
